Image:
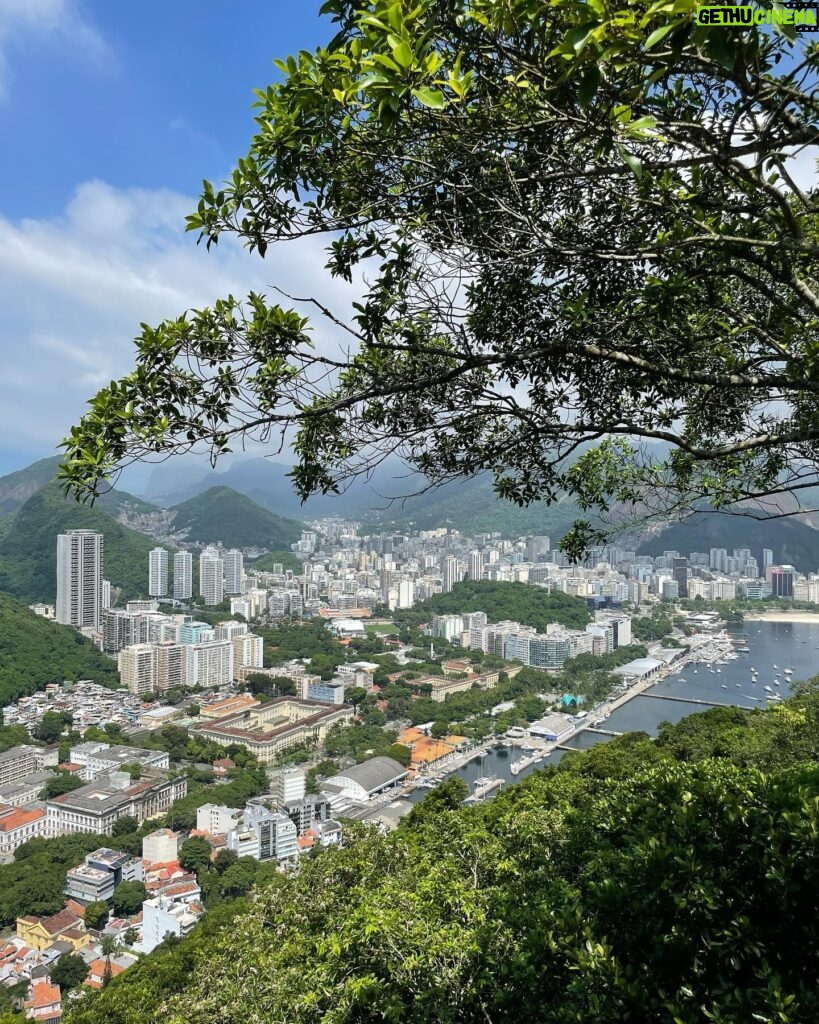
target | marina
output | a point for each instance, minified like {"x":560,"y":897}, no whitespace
{"x":694,"y":687}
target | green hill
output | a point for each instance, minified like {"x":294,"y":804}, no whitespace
{"x":792,"y":542}
{"x":473,"y":507}
{"x":16,"y":488}
{"x":531,"y":606}
{"x":643,"y":882}
{"x":222,"y":514}
{"x":28,"y":551}
{"x":34,"y":652}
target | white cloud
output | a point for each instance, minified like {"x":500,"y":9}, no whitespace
{"x":75,"y":289}
{"x":58,"y":22}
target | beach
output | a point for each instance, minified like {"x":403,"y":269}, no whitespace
{"x":808,"y":618}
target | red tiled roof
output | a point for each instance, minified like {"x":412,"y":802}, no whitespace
{"x":15,"y":817}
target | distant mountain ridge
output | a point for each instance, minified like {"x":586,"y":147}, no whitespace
{"x":470,"y":505}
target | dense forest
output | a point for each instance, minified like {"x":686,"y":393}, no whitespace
{"x":668,"y":881}
{"x":34,"y":652}
{"x":28,"y":551}
{"x":531,"y":606}
{"x":222,"y":514}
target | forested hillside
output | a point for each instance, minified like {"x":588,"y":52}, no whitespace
{"x":222,"y":514}
{"x":528,"y":605}
{"x":28,"y":551}
{"x":669,"y":881}
{"x":34,"y":652}
{"x":792,"y":542}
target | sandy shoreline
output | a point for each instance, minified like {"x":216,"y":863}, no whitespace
{"x":784,"y":616}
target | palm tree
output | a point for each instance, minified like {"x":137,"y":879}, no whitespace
{"x":109,"y":947}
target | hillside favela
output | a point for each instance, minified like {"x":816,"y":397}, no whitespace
{"x":409,"y":512}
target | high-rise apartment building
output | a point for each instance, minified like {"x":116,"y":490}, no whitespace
{"x":450,"y":573}
{"x":212,"y":576}
{"x":767,"y":559}
{"x":475,"y":565}
{"x":158,"y":572}
{"x":79,"y":578}
{"x":183,"y":575}
{"x":679,"y":569}
{"x":248,"y":650}
{"x":234,"y":571}
{"x":136,"y":668}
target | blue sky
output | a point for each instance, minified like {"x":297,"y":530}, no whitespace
{"x":111,"y":113}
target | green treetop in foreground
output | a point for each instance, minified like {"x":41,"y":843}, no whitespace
{"x":660,"y":882}
{"x":578,"y":228}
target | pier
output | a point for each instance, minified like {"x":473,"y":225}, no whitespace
{"x":688,"y":700}
{"x":603,"y":732}
{"x":483,"y":789}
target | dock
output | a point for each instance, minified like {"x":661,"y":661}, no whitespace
{"x":487,"y":786}
{"x":689,"y":700}
{"x":602,"y":732}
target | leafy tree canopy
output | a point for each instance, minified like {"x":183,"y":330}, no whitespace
{"x":577,"y":236}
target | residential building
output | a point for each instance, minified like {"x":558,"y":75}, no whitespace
{"x":44,"y":1002}
{"x":234,"y":571}
{"x":248,"y":650}
{"x":264,"y":834}
{"x":216,"y":819}
{"x":160,"y":847}
{"x":450,"y":573}
{"x":136,"y":668}
{"x":42,"y":932}
{"x":475,"y":565}
{"x":158,"y":572}
{"x":164,"y":916}
{"x":210,"y":665}
{"x":288,"y":785}
{"x":79,"y":578}
{"x":182,"y":575}
{"x":212,"y":576}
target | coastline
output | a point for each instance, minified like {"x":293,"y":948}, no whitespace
{"x":806,"y":618}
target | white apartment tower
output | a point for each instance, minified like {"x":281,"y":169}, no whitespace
{"x":79,"y":578}
{"x":212,"y":576}
{"x":183,"y":576}
{"x":475,"y":565}
{"x":450,"y":573}
{"x":158,"y":573}
{"x":234,"y":571}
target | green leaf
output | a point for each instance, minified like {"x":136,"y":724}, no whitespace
{"x":633,"y":161}
{"x":430,"y":97}
{"x":589,"y":84}
{"x":657,"y":35}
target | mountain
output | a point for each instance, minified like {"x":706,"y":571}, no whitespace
{"x":792,"y":542}
{"x":28,"y":551}
{"x":222,"y":514}
{"x":34,"y":652}
{"x":16,"y":488}
{"x":470,"y":505}
{"x":473,"y":507}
